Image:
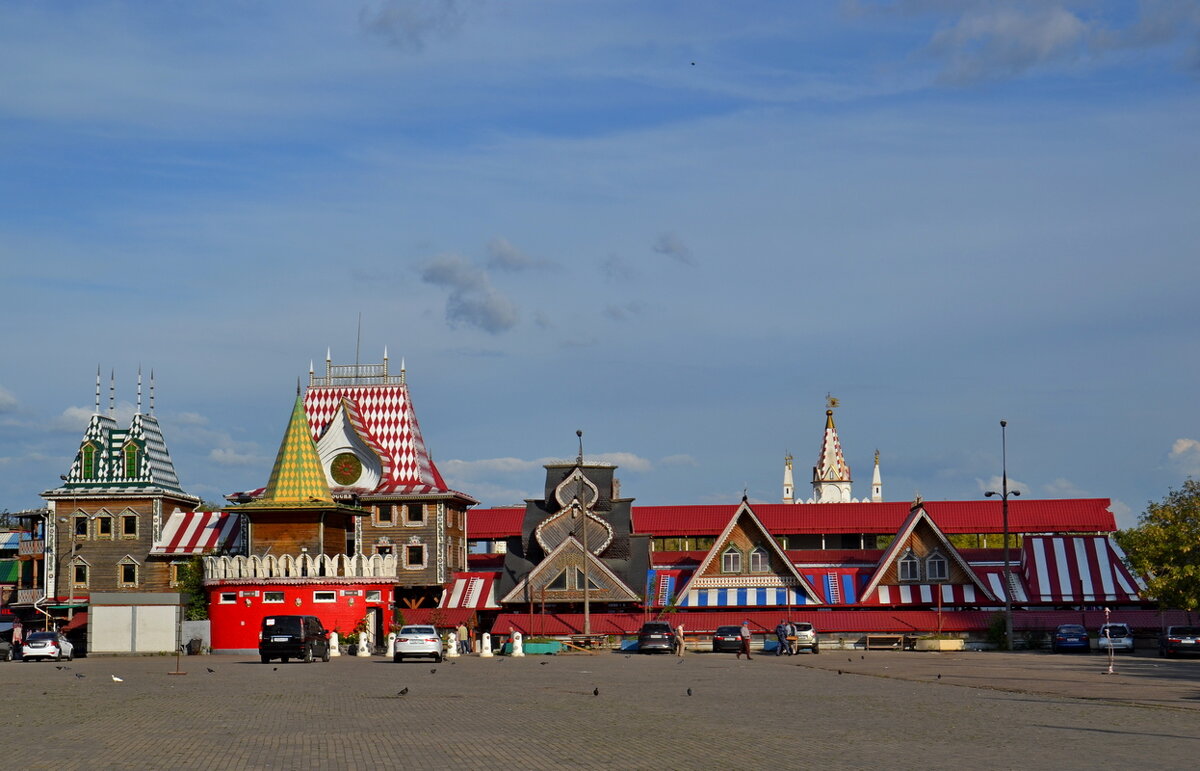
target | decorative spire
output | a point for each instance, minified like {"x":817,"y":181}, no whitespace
{"x":579,"y":460}
{"x":297,"y":478}
{"x":403,"y":377}
{"x":831,"y":476}
{"x":97,"y":389}
{"x":139,"y":390}
{"x":789,"y":486}
{"x":152,"y":392}
{"x":876,"y":482}
{"x":112,"y":391}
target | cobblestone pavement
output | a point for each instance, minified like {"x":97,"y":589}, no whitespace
{"x":889,"y":709}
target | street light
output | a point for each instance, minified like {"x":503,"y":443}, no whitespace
{"x":1004,"y":493}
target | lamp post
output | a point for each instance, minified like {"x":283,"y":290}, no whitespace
{"x":1004,"y":493}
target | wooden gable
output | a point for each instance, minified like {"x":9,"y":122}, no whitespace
{"x":559,"y":578}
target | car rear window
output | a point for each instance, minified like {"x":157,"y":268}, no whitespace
{"x":724,"y":630}
{"x":656,"y":629}
{"x":418,"y":630}
{"x":282,"y":624}
{"x":42,"y":636}
{"x":1186,"y":631}
{"x":803,"y":627}
{"x":1116,"y":630}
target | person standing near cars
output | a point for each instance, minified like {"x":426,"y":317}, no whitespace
{"x":679,"y":641}
{"x":791,"y":638}
{"x":781,"y":635}
{"x":462,"y":639}
{"x":745,"y":632}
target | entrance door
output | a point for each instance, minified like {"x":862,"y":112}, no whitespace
{"x":373,"y":627}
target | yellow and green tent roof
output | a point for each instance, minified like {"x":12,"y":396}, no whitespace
{"x":298,"y":479}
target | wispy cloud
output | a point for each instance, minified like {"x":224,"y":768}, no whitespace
{"x":1185,"y":456}
{"x":502,"y":255}
{"x":473,"y":301}
{"x":624,"y":311}
{"x":616,"y":268}
{"x":995,"y":484}
{"x":408,"y":25}
{"x":8,"y":402}
{"x":673,"y":246}
{"x":679,"y":460}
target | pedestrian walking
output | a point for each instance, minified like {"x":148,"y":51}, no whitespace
{"x":781,"y":634}
{"x":745,"y":632}
{"x":679,"y":640}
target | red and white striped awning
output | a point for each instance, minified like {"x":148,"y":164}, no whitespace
{"x":471,"y":590}
{"x":1070,"y":569}
{"x":198,"y":532}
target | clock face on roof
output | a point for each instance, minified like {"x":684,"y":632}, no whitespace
{"x":346,"y":468}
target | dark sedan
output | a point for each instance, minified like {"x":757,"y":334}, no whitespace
{"x":656,"y":636}
{"x":1179,"y":640}
{"x":727,"y":639}
{"x":1070,"y":637}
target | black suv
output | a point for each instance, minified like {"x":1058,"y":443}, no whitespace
{"x":656,"y":636}
{"x":286,"y":637}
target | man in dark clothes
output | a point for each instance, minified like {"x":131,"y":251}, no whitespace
{"x":781,"y":634}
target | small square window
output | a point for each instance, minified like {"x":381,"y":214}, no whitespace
{"x":104,"y":527}
{"x":414,"y":556}
{"x":80,"y":575}
{"x":374,"y":595}
{"x":81,"y":526}
{"x":414,"y":514}
{"x":228,"y":598}
{"x":386,"y":514}
{"x":129,"y":574}
{"x":272,"y":597}
{"x":383,"y":550}
{"x":324,"y":596}
{"x":129,"y":526}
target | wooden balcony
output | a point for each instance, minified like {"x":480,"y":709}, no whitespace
{"x":29,"y":596}
{"x":34,"y":547}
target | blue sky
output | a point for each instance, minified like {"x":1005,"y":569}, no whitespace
{"x":676,"y":226}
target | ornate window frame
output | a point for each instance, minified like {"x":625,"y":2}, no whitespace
{"x":409,"y":550}
{"x":760,"y":560}
{"x":908,"y":567}
{"x":731,"y":560}
{"x":941,"y":572}
{"x":125,"y":566}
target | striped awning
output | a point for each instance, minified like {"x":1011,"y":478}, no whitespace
{"x":471,"y":590}
{"x":198,"y":532}
{"x":725,"y":597}
{"x":1068,"y":569}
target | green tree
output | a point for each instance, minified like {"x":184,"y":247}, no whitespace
{"x":1165,"y":546}
{"x":190,"y":581}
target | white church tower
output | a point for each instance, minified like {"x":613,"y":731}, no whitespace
{"x":789,"y":487}
{"x":831,"y":476}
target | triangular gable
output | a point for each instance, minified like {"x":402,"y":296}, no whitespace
{"x":570,"y":554}
{"x":347,"y":428}
{"x":916,"y":517}
{"x":766,"y":540}
{"x":1077,"y":569}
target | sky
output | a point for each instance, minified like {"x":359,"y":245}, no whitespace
{"x":675,"y":226}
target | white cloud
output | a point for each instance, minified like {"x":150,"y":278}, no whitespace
{"x":673,"y":246}
{"x":1123,"y":513}
{"x":473,"y":301}
{"x":1185,"y":456}
{"x":8,"y":402}
{"x":504,"y":256}
{"x":224,"y":456}
{"x":1063,"y":488}
{"x":72,"y":419}
{"x":679,"y":460}
{"x":995,"y":484}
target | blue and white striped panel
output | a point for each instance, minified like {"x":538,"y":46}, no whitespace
{"x":741,"y":597}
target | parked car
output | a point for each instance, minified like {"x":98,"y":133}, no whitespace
{"x":412,"y":641}
{"x":1070,"y":637}
{"x":1179,"y":640}
{"x":47,"y":645}
{"x":806,"y":637}
{"x":727,"y":639}
{"x":656,"y":636}
{"x":288,"y":637}
{"x":1115,"y":637}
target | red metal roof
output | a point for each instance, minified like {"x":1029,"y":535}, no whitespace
{"x":494,"y":524}
{"x":485,"y":561}
{"x":1068,"y":515}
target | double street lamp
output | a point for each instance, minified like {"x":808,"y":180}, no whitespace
{"x":1004,"y":493}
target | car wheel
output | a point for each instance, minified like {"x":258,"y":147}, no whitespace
{"x":325,"y":655}
{"x":397,"y":658}
{"x":265,"y":659}
{"x":437,"y":659}
{"x":816,"y":649}
{"x":284,"y":659}
{"x":71,"y":656}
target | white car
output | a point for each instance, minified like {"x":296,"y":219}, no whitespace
{"x":414,"y":641}
{"x":47,"y":645}
{"x":1115,"y":637}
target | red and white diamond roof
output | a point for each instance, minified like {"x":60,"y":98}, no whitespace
{"x":385,"y":416}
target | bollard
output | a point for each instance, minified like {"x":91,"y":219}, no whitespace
{"x":518,"y":648}
{"x":485,"y":646}
{"x":391,"y":648}
{"x":363,"y":648}
{"x":333,"y":645}
{"x":451,"y":651}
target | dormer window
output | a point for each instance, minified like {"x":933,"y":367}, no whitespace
{"x":731,"y":560}
{"x":88,"y":462}
{"x":936,"y":567}
{"x":131,"y":460}
{"x":759,"y":561}
{"x":910,"y":567}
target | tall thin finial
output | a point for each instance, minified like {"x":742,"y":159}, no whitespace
{"x":112,"y":391}
{"x":579,"y":460}
{"x":97,"y":389}
{"x":139,"y":390}
{"x":403,"y":376}
{"x":831,"y":401}
{"x":357,"y":343}
{"x":152,"y":392}
{"x":297,"y":386}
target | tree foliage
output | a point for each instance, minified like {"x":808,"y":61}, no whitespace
{"x":190,"y":581}
{"x":1165,"y":547}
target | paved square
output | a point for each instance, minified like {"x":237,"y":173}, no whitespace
{"x":987,"y":710}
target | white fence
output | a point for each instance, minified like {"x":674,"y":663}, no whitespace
{"x":301,"y":566}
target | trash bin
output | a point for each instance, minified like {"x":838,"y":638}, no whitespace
{"x":193,"y":646}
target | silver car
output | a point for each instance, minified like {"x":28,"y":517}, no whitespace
{"x":47,"y":645}
{"x":413,"y":641}
{"x":1115,"y":637}
{"x":806,"y":637}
